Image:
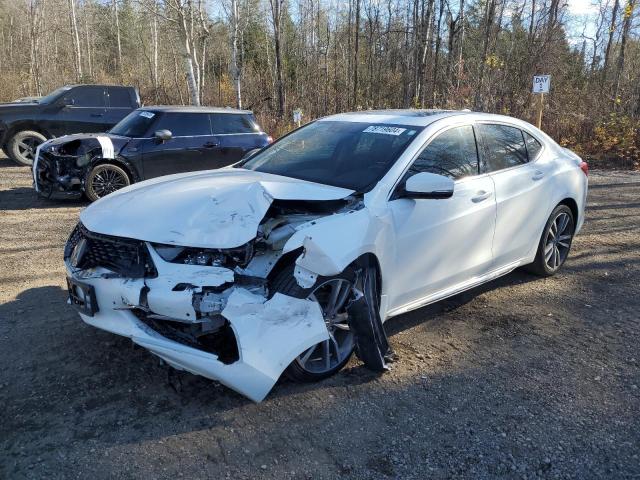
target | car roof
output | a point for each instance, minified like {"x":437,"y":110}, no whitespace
{"x":415,"y":117}
{"x":192,"y":109}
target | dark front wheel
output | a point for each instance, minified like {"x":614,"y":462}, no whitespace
{"x":555,"y":243}
{"x":104,"y":179}
{"x":22,"y":146}
{"x":333,"y":294}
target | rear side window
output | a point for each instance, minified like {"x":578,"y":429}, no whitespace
{"x":119,"y":97}
{"x":504,"y":147}
{"x":86,"y":97}
{"x":533,"y":146}
{"x":185,"y":124}
{"x":226,"y":123}
{"x":453,"y":154}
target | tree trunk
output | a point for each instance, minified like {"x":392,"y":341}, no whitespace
{"x":356,"y":45}
{"x":276,"y":12}
{"x":626,"y":26}
{"x":612,"y":31}
{"x":235,"y":68}
{"x":119,"y":44}
{"x":154,"y":39}
{"x":75,"y":39}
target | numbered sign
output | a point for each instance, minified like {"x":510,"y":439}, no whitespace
{"x":297,"y":115}
{"x":541,"y":83}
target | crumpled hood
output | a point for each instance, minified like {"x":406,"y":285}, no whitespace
{"x":211,"y":209}
{"x":89,"y":141}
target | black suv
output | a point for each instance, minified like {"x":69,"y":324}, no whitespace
{"x":27,"y":123}
{"x":149,"y":142}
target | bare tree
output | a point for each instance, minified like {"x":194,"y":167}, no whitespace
{"x":235,"y":65}
{"x":116,"y":18}
{"x":73,"y":23}
{"x":276,"y":17}
{"x":627,"y":17}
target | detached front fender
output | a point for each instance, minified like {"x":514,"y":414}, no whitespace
{"x":330,"y":244}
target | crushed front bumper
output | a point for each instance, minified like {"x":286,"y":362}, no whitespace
{"x":270,"y":333}
{"x":56,"y":177}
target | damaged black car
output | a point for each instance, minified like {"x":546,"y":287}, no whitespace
{"x":149,"y":142}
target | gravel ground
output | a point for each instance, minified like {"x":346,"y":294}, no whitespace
{"x":521,"y":378}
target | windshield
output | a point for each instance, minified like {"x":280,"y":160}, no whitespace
{"x":136,"y":124}
{"x":351,"y":155}
{"x":53,"y":96}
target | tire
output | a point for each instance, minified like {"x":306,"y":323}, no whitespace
{"x":305,"y":368}
{"x":21,"y":147}
{"x":555,"y":242}
{"x":103,"y":179}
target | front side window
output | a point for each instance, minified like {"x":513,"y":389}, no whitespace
{"x":504,"y":147}
{"x":228,"y":123}
{"x":135,"y":125}
{"x":452,"y":154}
{"x":353,"y":155}
{"x":185,"y":124}
{"x":55,"y":95}
{"x":86,"y":97}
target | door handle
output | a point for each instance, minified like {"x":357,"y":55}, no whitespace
{"x":537,"y":175}
{"x":481,"y":195}
{"x":211,"y":144}
{"x":97,"y":114}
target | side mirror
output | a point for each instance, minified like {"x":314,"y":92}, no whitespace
{"x":163,"y":135}
{"x":67,"y":102}
{"x":428,"y":185}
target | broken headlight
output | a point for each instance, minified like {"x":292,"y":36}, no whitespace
{"x":211,"y":257}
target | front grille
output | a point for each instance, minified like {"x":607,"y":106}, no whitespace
{"x":124,"y":256}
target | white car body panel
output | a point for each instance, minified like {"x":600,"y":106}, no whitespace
{"x":259,"y":326}
{"x":211,"y":209}
{"x":425,"y":231}
{"x":426,"y":250}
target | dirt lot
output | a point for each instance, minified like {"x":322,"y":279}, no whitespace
{"x":521,"y":378}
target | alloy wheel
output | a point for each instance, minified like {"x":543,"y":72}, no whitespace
{"x":558,"y":241}
{"x":333,"y":296}
{"x":108,"y":180}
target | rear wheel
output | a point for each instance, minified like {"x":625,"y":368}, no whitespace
{"x":333,"y":294}
{"x":555,"y":243}
{"x":21,"y":147}
{"x":104,"y":179}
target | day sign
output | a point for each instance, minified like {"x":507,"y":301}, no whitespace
{"x":541,"y":83}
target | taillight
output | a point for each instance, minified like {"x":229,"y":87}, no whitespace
{"x":584,"y":166}
{"x":270,"y":139}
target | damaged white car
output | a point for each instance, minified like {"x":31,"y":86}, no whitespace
{"x":293,"y":258}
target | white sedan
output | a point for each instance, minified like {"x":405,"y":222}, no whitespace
{"x":292,"y":259}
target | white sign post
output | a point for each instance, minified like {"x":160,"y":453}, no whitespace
{"x":297,"y":116}
{"x":541,"y":84}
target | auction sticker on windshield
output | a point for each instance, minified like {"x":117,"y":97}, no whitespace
{"x":385,"y":130}
{"x":147,"y":114}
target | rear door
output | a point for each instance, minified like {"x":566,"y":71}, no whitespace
{"x":521,"y":190}
{"x":235,"y":134}
{"x":82,"y":110}
{"x":119,"y":104}
{"x":185,"y":151}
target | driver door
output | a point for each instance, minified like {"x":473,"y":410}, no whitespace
{"x":442,"y":243}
